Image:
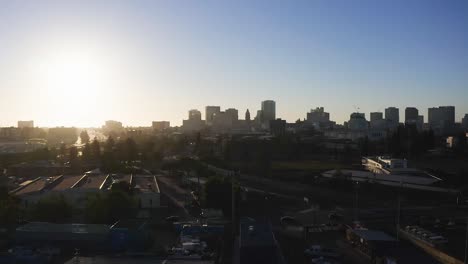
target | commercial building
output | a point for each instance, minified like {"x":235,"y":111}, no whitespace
{"x":26,"y":124}
{"x":222,"y":122}
{"x":411,"y":115}
{"x":377,"y":121}
{"x":233,"y":114}
{"x":77,"y":188}
{"x":210,"y":111}
{"x":58,"y":135}
{"x":268,"y":110}
{"x":376,"y":116}
{"x":357,"y":121}
{"x":112,"y":125}
{"x":194,"y":122}
{"x":441,"y":119}
{"x":464,"y":122}
{"x":318,"y":115}
{"x":132,"y":235}
{"x":278,"y":127}
{"x":194,"y":114}
{"x":392,"y":115}
{"x":161,"y":125}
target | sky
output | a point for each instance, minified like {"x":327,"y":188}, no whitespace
{"x":79,"y":63}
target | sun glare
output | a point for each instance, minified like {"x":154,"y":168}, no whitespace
{"x":72,"y":82}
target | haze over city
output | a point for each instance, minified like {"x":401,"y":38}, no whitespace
{"x":78,"y":63}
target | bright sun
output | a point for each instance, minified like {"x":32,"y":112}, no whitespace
{"x":71,"y":82}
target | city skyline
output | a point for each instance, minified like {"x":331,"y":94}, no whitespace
{"x":80,"y":63}
{"x":202,"y":115}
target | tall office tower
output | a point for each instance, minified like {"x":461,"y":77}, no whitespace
{"x":233,"y":114}
{"x":441,"y":118}
{"x":318,"y":115}
{"x":194,"y":114}
{"x":464,"y":122}
{"x":247,"y":115}
{"x":376,"y":116}
{"x":268,"y":111}
{"x":357,"y":121}
{"x":411,"y":115}
{"x":210,"y":111}
{"x":392,"y":114}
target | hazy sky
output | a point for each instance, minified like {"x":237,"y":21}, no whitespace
{"x":82,"y":62}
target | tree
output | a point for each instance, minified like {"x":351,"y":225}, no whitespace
{"x":110,"y":207}
{"x":9,"y":208}
{"x":131,"y":150}
{"x":110,"y":144}
{"x":87,"y":152}
{"x":84,"y":137}
{"x":51,"y":209}
{"x":96,"y":149}
{"x":73,"y":155}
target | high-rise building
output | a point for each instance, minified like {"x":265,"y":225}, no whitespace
{"x":376,"y":116}
{"x":318,"y":115}
{"x":392,"y":114}
{"x":464,"y":122}
{"x":161,"y":125}
{"x":194,"y":114}
{"x":233,"y":114}
{"x":194,"y":122}
{"x":357,"y":121}
{"x":210,"y":111}
{"x":247,"y":115}
{"x":411,"y":115}
{"x":259,"y":116}
{"x":441,"y":118}
{"x":268,"y":111}
{"x":26,"y":124}
{"x":112,"y":126}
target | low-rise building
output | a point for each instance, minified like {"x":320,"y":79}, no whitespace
{"x":77,"y":188}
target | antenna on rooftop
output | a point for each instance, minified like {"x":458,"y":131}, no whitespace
{"x":356,"y":108}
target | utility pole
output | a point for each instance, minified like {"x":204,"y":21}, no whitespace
{"x":356,"y":201}
{"x":398,"y":218}
{"x":398,"y":211}
{"x":466,"y":243}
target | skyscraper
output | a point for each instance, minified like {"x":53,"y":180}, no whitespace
{"x":210,"y":111}
{"x":233,"y":114}
{"x":441,"y":118}
{"x":318,"y":115}
{"x":464,"y":122}
{"x":411,"y":115}
{"x":392,"y":114}
{"x":268,"y":111}
{"x":376,"y":116}
{"x":247,"y":115}
{"x":194,"y":114}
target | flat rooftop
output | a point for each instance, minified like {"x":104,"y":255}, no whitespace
{"x":38,"y":227}
{"x":91,"y":182}
{"x":35,"y":186}
{"x":145,"y":183}
{"x":66,"y":182}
